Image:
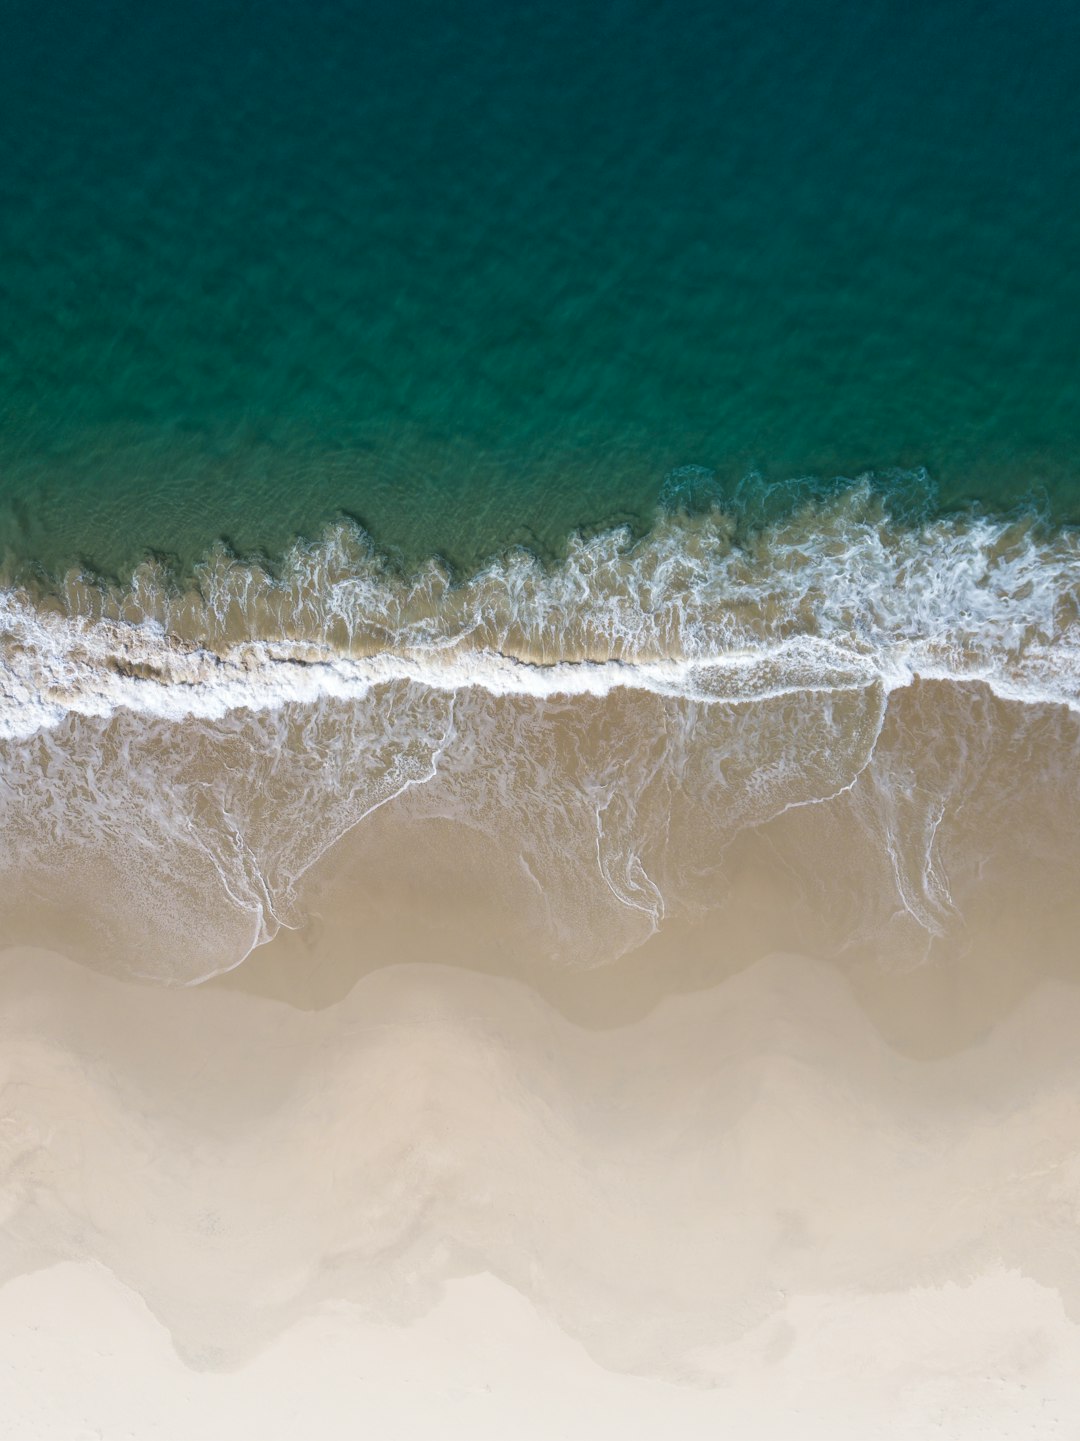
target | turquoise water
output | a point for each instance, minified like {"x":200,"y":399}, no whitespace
{"x":480,"y":276}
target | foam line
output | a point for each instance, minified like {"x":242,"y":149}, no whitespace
{"x":837,"y":598}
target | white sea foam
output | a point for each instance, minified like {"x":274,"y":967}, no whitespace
{"x":837,"y":597}
{"x":172,"y":763}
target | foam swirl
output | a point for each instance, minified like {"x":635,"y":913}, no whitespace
{"x":838,"y":596}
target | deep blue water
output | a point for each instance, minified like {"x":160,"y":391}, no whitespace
{"x":481,"y":274}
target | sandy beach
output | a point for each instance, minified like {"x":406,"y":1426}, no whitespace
{"x":404,"y":1171}
{"x":438,"y":1208}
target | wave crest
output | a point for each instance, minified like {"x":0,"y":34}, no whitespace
{"x":835,"y":597}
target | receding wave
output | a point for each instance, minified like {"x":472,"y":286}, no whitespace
{"x":173,"y":762}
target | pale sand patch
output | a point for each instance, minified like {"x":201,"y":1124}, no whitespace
{"x":990,"y":1361}
{"x":745,"y":1190}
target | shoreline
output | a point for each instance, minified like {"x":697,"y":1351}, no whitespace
{"x":835,"y":598}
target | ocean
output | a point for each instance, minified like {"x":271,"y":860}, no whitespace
{"x":489,"y":276}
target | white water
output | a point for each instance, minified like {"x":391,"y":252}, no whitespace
{"x":835,"y":598}
{"x":174,"y":764}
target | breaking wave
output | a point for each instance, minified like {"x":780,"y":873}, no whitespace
{"x":174,"y":761}
{"x":837,"y":596}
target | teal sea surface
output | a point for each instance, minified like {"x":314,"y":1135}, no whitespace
{"x":483,"y":276}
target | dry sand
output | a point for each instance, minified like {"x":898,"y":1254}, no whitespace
{"x":440,"y":1207}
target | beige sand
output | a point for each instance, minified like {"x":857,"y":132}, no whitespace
{"x":797,"y":1165}
{"x":994,"y":1359}
{"x":747,"y":1193}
